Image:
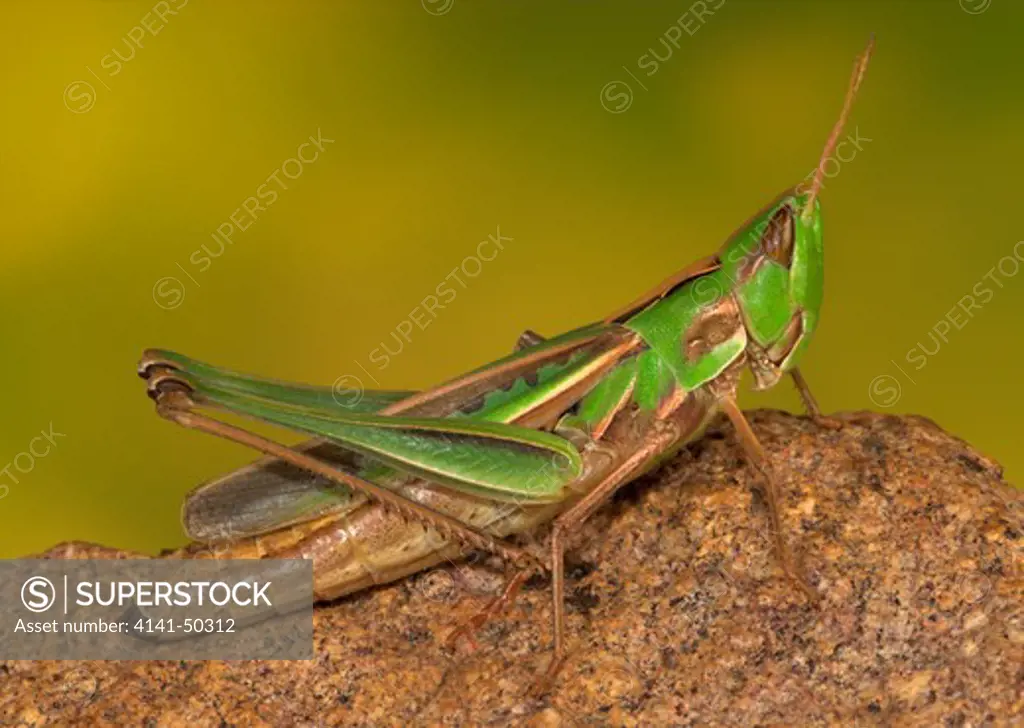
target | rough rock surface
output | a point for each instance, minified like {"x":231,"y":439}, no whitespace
{"x":677,"y":612}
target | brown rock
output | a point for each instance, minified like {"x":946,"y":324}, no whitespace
{"x":677,"y":611}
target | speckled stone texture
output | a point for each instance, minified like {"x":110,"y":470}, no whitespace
{"x":677,"y":611}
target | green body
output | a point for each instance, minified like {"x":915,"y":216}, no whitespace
{"x":522,"y":430}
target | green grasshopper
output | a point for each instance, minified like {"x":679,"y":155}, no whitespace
{"x":397,"y":482}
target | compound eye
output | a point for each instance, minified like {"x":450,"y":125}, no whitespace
{"x":777,"y":239}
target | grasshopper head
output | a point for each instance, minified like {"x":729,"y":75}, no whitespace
{"x":775,"y":264}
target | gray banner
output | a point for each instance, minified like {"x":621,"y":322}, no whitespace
{"x":156,"y":609}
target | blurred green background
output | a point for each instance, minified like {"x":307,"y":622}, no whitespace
{"x":450,"y":120}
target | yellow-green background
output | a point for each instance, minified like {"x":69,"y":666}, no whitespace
{"x":447,"y":126}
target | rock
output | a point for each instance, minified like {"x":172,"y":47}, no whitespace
{"x":677,"y":611}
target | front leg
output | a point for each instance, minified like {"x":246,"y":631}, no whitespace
{"x":811,"y":404}
{"x":755,"y":453}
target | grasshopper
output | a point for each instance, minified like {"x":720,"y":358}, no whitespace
{"x":396,"y":482}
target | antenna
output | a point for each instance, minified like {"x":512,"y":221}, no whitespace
{"x":859,"y":68}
